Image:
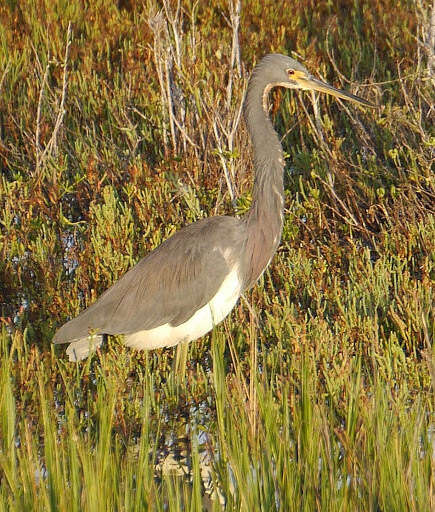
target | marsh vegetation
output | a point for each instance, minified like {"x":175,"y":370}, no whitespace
{"x":119,"y":124}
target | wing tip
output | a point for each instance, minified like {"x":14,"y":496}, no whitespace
{"x":70,"y":332}
{"x":57,"y":338}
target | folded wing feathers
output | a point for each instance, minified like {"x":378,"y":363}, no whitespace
{"x":167,"y":286}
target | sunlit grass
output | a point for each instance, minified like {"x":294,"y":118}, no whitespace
{"x":317,"y":392}
{"x":99,"y":448}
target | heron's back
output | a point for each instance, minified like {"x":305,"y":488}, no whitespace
{"x":169,"y":286}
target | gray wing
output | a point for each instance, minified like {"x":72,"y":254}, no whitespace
{"x":168,"y":285}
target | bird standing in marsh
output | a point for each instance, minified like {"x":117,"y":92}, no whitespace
{"x":191,"y":282}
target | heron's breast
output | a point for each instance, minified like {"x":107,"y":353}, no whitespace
{"x":201,"y":322}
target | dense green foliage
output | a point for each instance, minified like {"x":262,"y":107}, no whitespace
{"x":119,"y":125}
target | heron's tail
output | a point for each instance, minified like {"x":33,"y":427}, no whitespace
{"x":81,"y":348}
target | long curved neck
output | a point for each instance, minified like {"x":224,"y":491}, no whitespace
{"x":265,"y":218}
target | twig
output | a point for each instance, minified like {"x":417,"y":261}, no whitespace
{"x":38,"y":119}
{"x":158,"y":25}
{"x":168,"y":73}
{"x":183,"y":131}
{"x":431,"y":42}
{"x":330,"y":185}
{"x":174,"y":20}
{"x":223,"y":161}
{"x":61,"y":112}
{"x":51,"y":146}
{"x":235,"y":9}
{"x":314,"y":127}
{"x":317,"y":119}
{"x":331,"y":57}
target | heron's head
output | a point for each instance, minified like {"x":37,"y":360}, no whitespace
{"x":283,"y":71}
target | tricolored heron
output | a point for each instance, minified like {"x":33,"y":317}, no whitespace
{"x":191,"y":282}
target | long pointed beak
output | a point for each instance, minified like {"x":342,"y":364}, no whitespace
{"x":311,"y":83}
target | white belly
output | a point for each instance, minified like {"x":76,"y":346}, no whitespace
{"x":199,"y":324}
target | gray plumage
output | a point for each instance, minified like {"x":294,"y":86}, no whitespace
{"x":190,"y":282}
{"x":170,"y":275}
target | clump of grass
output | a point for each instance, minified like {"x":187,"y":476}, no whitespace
{"x":366,"y":450}
{"x":120,"y":125}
